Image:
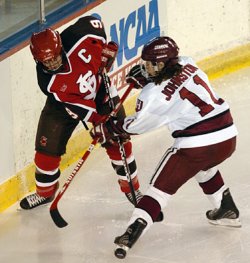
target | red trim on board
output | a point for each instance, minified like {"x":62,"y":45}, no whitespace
{"x":118,"y":78}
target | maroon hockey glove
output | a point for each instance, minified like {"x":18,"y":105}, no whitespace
{"x":136,"y":77}
{"x":115,"y":127}
{"x":109,"y":53}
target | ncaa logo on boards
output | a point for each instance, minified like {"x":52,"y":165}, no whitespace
{"x":141,"y":25}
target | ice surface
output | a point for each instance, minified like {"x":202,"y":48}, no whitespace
{"x":97,"y":212}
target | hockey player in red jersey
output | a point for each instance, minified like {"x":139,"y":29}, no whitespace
{"x":177,"y":93}
{"x":69,"y":72}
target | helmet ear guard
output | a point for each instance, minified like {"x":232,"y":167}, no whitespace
{"x":45,"y":45}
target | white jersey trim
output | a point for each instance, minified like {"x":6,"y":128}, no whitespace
{"x":206,"y":139}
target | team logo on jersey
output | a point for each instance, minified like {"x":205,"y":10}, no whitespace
{"x":139,"y":105}
{"x":63,"y":87}
{"x":43,"y":141}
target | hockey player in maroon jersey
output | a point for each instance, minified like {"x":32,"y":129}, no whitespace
{"x":69,"y":72}
{"x":177,"y":93}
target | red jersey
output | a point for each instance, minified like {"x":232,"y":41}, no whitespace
{"x":77,"y":85}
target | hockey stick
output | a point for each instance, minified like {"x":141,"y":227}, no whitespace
{"x":121,"y":146}
{"x":54,"y":212}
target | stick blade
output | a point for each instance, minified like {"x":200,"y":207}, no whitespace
{"x":57,"y":218}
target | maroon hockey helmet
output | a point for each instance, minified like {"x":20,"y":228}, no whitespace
{"x":45,"y":45}
{"x":161,"y":49}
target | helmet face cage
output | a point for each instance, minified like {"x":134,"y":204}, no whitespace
{"x":45,"y":45}
{"x":143,"y":70}
{"x":160,"y":49}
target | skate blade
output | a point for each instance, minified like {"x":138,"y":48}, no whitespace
{"x":226,"y":222}
{"x":121,"y":251}
{"x":19,"y":208}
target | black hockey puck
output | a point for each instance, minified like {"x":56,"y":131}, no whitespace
{"x":120,"y":253}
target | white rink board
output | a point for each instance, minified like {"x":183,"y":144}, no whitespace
{"x":200,"y":29}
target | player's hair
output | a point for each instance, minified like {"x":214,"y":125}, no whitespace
{"x":167,"y":73}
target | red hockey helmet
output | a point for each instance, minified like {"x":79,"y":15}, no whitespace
{"x":161,"y":49}
{"x":45,"y":45}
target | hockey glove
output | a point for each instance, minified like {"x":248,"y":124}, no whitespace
{"x":109,"y":132}
{"x":100,"y":131}
{"x":115,"y":126}
{"x":136,"y":77}
{"x":109,"y":53}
